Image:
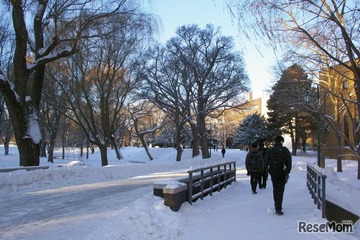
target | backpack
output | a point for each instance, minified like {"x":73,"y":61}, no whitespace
{"x":277,"y":158}
{"x":254,"y":162}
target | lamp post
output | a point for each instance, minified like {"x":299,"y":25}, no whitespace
{"x":308,"y":98}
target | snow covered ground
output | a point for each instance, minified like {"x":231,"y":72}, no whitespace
{"x":233,"y":213}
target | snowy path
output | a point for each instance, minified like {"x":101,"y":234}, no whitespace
{"x":68,"y":208}
{"x":43,"y":210}
{"x":263,"y":223}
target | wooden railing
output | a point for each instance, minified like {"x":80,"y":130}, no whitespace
{"x":315,"y":182}
{"x":206,"y":180}
{"x":201,"y":182}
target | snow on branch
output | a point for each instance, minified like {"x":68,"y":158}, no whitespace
{"x":8,"y":87}
{"x":50,"y":58}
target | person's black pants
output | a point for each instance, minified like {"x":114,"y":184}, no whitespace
{"x":262,"y":179}
{"x":278,"y":190}
{"x":254,"y":178}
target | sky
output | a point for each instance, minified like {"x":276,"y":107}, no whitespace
{"x":76,"y":198}
{"x":175,"y":13}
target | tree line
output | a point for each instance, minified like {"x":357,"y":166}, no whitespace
{"x":92,"y":70}
{"x":96,"y":65}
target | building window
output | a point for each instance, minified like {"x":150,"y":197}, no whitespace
{"x":345,"y":84}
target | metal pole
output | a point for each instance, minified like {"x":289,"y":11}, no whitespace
{"x":318,"y":124}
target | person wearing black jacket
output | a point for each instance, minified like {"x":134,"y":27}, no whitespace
{"x":254,"y":164}
{"x":264,"y":175}
{"x":279,"y":162}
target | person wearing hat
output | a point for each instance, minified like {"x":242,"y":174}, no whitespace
{"x":279,"y":163}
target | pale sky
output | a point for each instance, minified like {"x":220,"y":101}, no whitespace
{"x":175,"y":13}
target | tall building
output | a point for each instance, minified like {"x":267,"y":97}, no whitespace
{"x":225,"y":126}
{"x":253,"y":105}
{"x":340,"y":124}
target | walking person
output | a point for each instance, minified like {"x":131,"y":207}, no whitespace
{"x":279,"y":161}
{"x":254,"y":164}
{"x":265,"y":173}
{"x":223,"y":151}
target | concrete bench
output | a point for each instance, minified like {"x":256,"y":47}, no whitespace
{"x":174,"y":193}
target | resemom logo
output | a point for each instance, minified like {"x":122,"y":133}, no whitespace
{"x":346,"y":226}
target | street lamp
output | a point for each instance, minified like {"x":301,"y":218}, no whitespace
{"x":307,"y":99}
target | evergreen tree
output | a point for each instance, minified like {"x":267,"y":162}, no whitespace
{"x":286,"y":104}
{"x":254,"y":128}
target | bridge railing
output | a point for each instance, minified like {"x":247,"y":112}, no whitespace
{"x":315,"y":181}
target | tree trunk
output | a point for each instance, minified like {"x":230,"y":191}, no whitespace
{"x":81,"y":150}
{"x":195,"y":141}
{"x":26,"y":131}
{"x":63,"y":152}
{"x":179,"y":149}
{"x":144,"y":143}
{"x":103,"y":153}
{"x":51,"y":150}
{"x":51,"y":154}
{"x":338,"y":154}
{"x":142,"y":139}
{"x":117,"y":152}
{"x":87,"y":149}
{"x":293,"y":140}
{"x":303,"y":144}
{"x":6,"y":147}
{"x":148,"y":152}
{"x":29,"y":152}
{"x":43,"y":149}
{"x":203,"y":136}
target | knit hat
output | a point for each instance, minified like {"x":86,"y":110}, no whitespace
{"x":279,"y":139}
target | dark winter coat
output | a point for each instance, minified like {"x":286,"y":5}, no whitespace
{"x":254,"y":153}
{"x":263,"y":150}
{"x":279,"y":160}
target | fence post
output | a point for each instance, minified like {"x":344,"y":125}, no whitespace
{"x":211,"y":181}
{"x":202,"y":185}
{"x":234,"y":171}
{"x":225,"y":176}
{"x":323,"y":193}
{"x":190,"y":187}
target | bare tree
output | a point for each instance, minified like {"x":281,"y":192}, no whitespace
{"x":213,"y":76}
{"x":52,"y":110}
{"x":194,"y":74}
{"x":163,"y":86}
{"x":6,"y":42}
{"x":6,"y":129}
{"x":44,"y":32}
{"x":145,"y":120}
{"x":101,"y":80}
